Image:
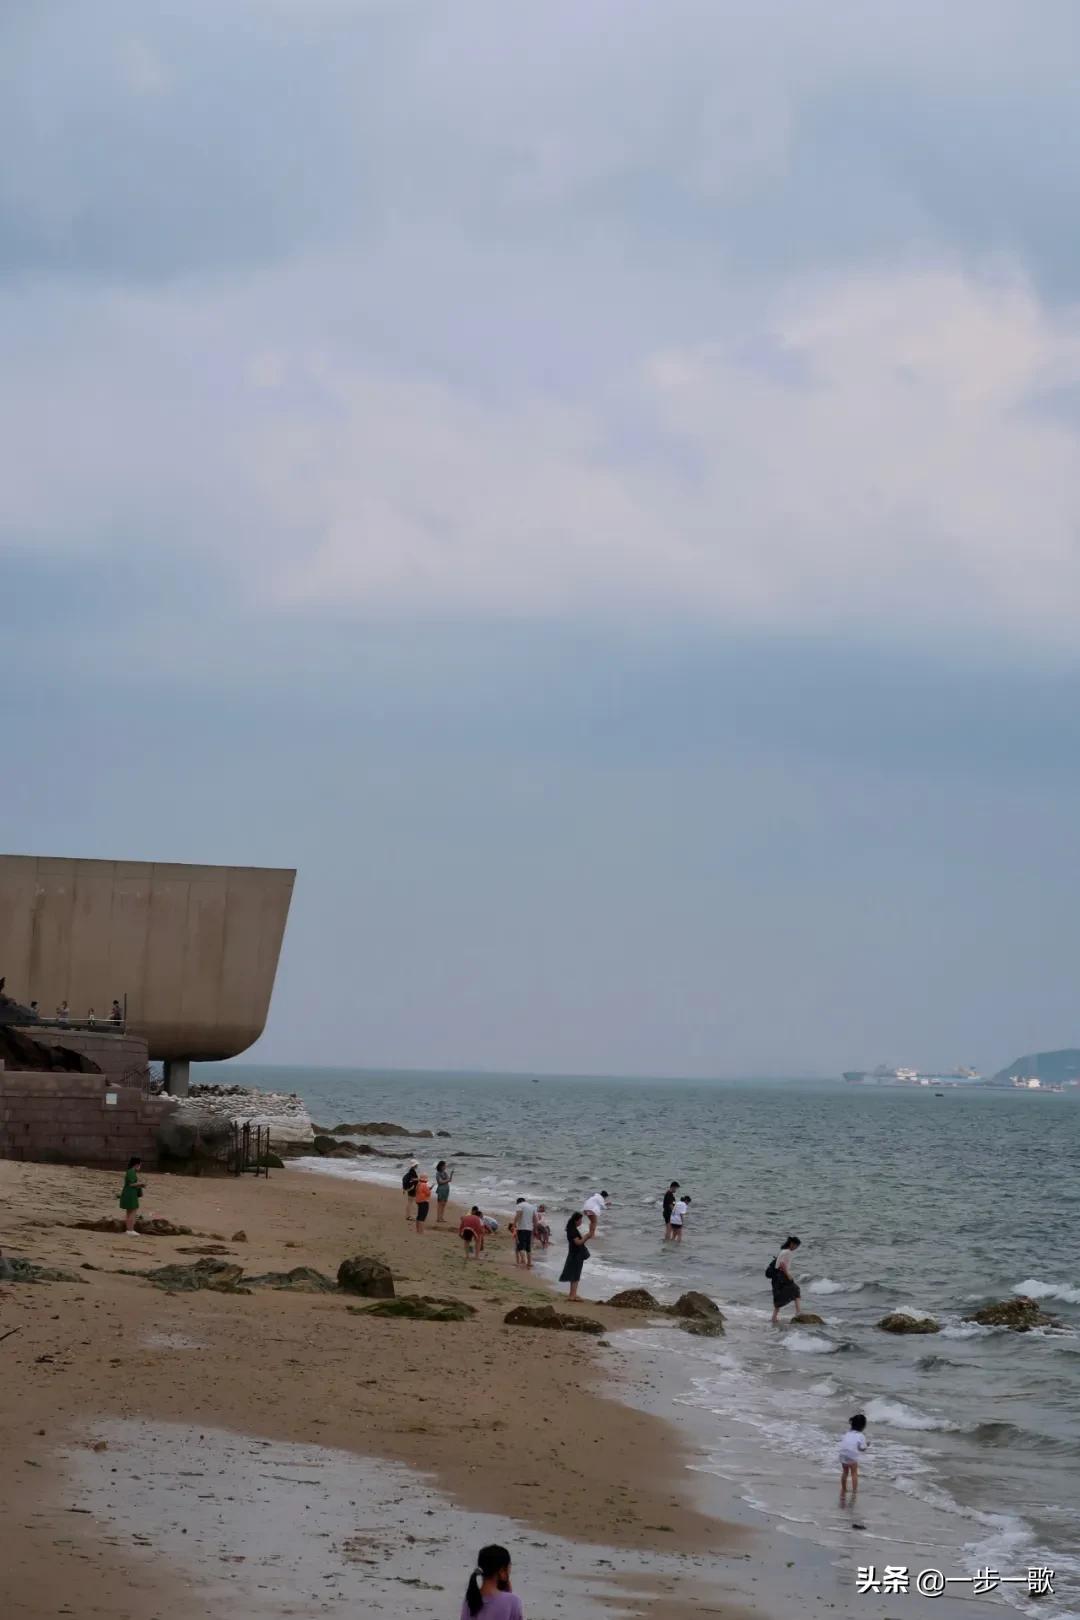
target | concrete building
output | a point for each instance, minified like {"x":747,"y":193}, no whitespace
{"x":190,"y":951}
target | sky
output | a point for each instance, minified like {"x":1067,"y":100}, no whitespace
{"x":595,"y":488}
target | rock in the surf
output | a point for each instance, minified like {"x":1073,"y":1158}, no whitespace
{"x":362,"y":1275}
{"x":1019,"y":1313}
{"x":635,"y":1299}
{"x":808,"y":1319}
{"x":697,"y":1307}
{"x":901,"y":1322}
{"x":703,"y":1327}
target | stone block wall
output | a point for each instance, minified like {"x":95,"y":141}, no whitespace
{"x":68,"y":1119}
{"x":114,"y":1054}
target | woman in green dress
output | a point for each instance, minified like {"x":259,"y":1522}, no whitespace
{"x":132,"y":1193}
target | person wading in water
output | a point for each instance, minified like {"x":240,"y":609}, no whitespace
{"x":785,"y":1290}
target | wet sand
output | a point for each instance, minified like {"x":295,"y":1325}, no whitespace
{"x":506,"y":1423}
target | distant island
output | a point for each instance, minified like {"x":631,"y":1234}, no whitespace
{"x":1041,"y":1070}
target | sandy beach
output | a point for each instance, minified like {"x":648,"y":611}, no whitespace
{"x":507,"y":1423}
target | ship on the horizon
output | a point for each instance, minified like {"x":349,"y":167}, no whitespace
{"x":883,"y":1075}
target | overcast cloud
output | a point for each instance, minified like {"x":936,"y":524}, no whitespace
{"x":596,"y":487}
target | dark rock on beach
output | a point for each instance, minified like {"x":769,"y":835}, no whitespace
{"x":900,"y":1322}
{"x":418,"y":1308}
{"x":145,"y":1225}
{"x":361,"y":1275}
{"x":204,"y":1248}
{"x":635,"y":1299}
{"x":193,"y":1141}
{"x":217,"y":1275}
{"x":698,"y":1307}
{"x":1019,"y":1313}
{"x":27,"y":1271}
{"x":546,"y":1316}
{"x":300,"y":1280}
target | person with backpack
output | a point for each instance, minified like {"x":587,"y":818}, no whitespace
{"x":489,"y":1593}
{"x":408,"y":1187}
{"x":785,"y":1290}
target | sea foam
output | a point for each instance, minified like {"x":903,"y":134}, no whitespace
{"x":1036,"y":1289}
{"x":896,"y":1415}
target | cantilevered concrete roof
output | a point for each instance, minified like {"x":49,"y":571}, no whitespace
{"x":193,"y":948}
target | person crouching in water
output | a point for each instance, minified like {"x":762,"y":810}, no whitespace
{"x":489,"y":1593}
{"x":423,"y":1201}
{"x":131,"y":1193}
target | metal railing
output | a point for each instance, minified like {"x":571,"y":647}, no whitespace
{"x":93,"y":1026}
{"x":250,"y":1149}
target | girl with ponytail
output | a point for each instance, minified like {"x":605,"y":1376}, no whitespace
{"x":488,"y":1593}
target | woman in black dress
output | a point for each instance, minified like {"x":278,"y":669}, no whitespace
{"x":785,"y":1290}
{"x":576,"y":1254}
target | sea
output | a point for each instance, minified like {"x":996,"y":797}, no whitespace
{"x":903,"y":1200}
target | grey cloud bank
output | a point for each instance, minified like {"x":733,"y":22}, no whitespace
{"x":597,"y":489}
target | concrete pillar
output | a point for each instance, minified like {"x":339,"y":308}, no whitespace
{"x":177,"y":1075}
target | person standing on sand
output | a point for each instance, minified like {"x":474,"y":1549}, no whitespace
{"x":594,"y":1207}
{"x":131,"y":1194}
{"x":443,"y":1178}
{"x":422,"y":1194}
{"x":541,"y":1227}
{"x":785,"y":1290}
{"x":523,"y":1226}
{"x":576,"y":1254}
{"x":670,"y":1198}
{"x":408,"y":1187}
{"x":489,"y":1593}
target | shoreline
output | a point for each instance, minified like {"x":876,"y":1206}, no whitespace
{"x":513,"y":1423}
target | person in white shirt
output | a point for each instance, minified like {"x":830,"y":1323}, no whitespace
{"x":522,"y":1227}
{"x":594,"y":1207}
{"x":680,"y":1209}
{"x":853,"y":1443}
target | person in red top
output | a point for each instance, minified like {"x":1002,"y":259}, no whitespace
{"x":423,"y":1201}
{"x":471,"y":1232}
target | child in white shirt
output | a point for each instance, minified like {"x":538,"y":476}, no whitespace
{"x":851,"y":1445}
{"x":679,"y":1211}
